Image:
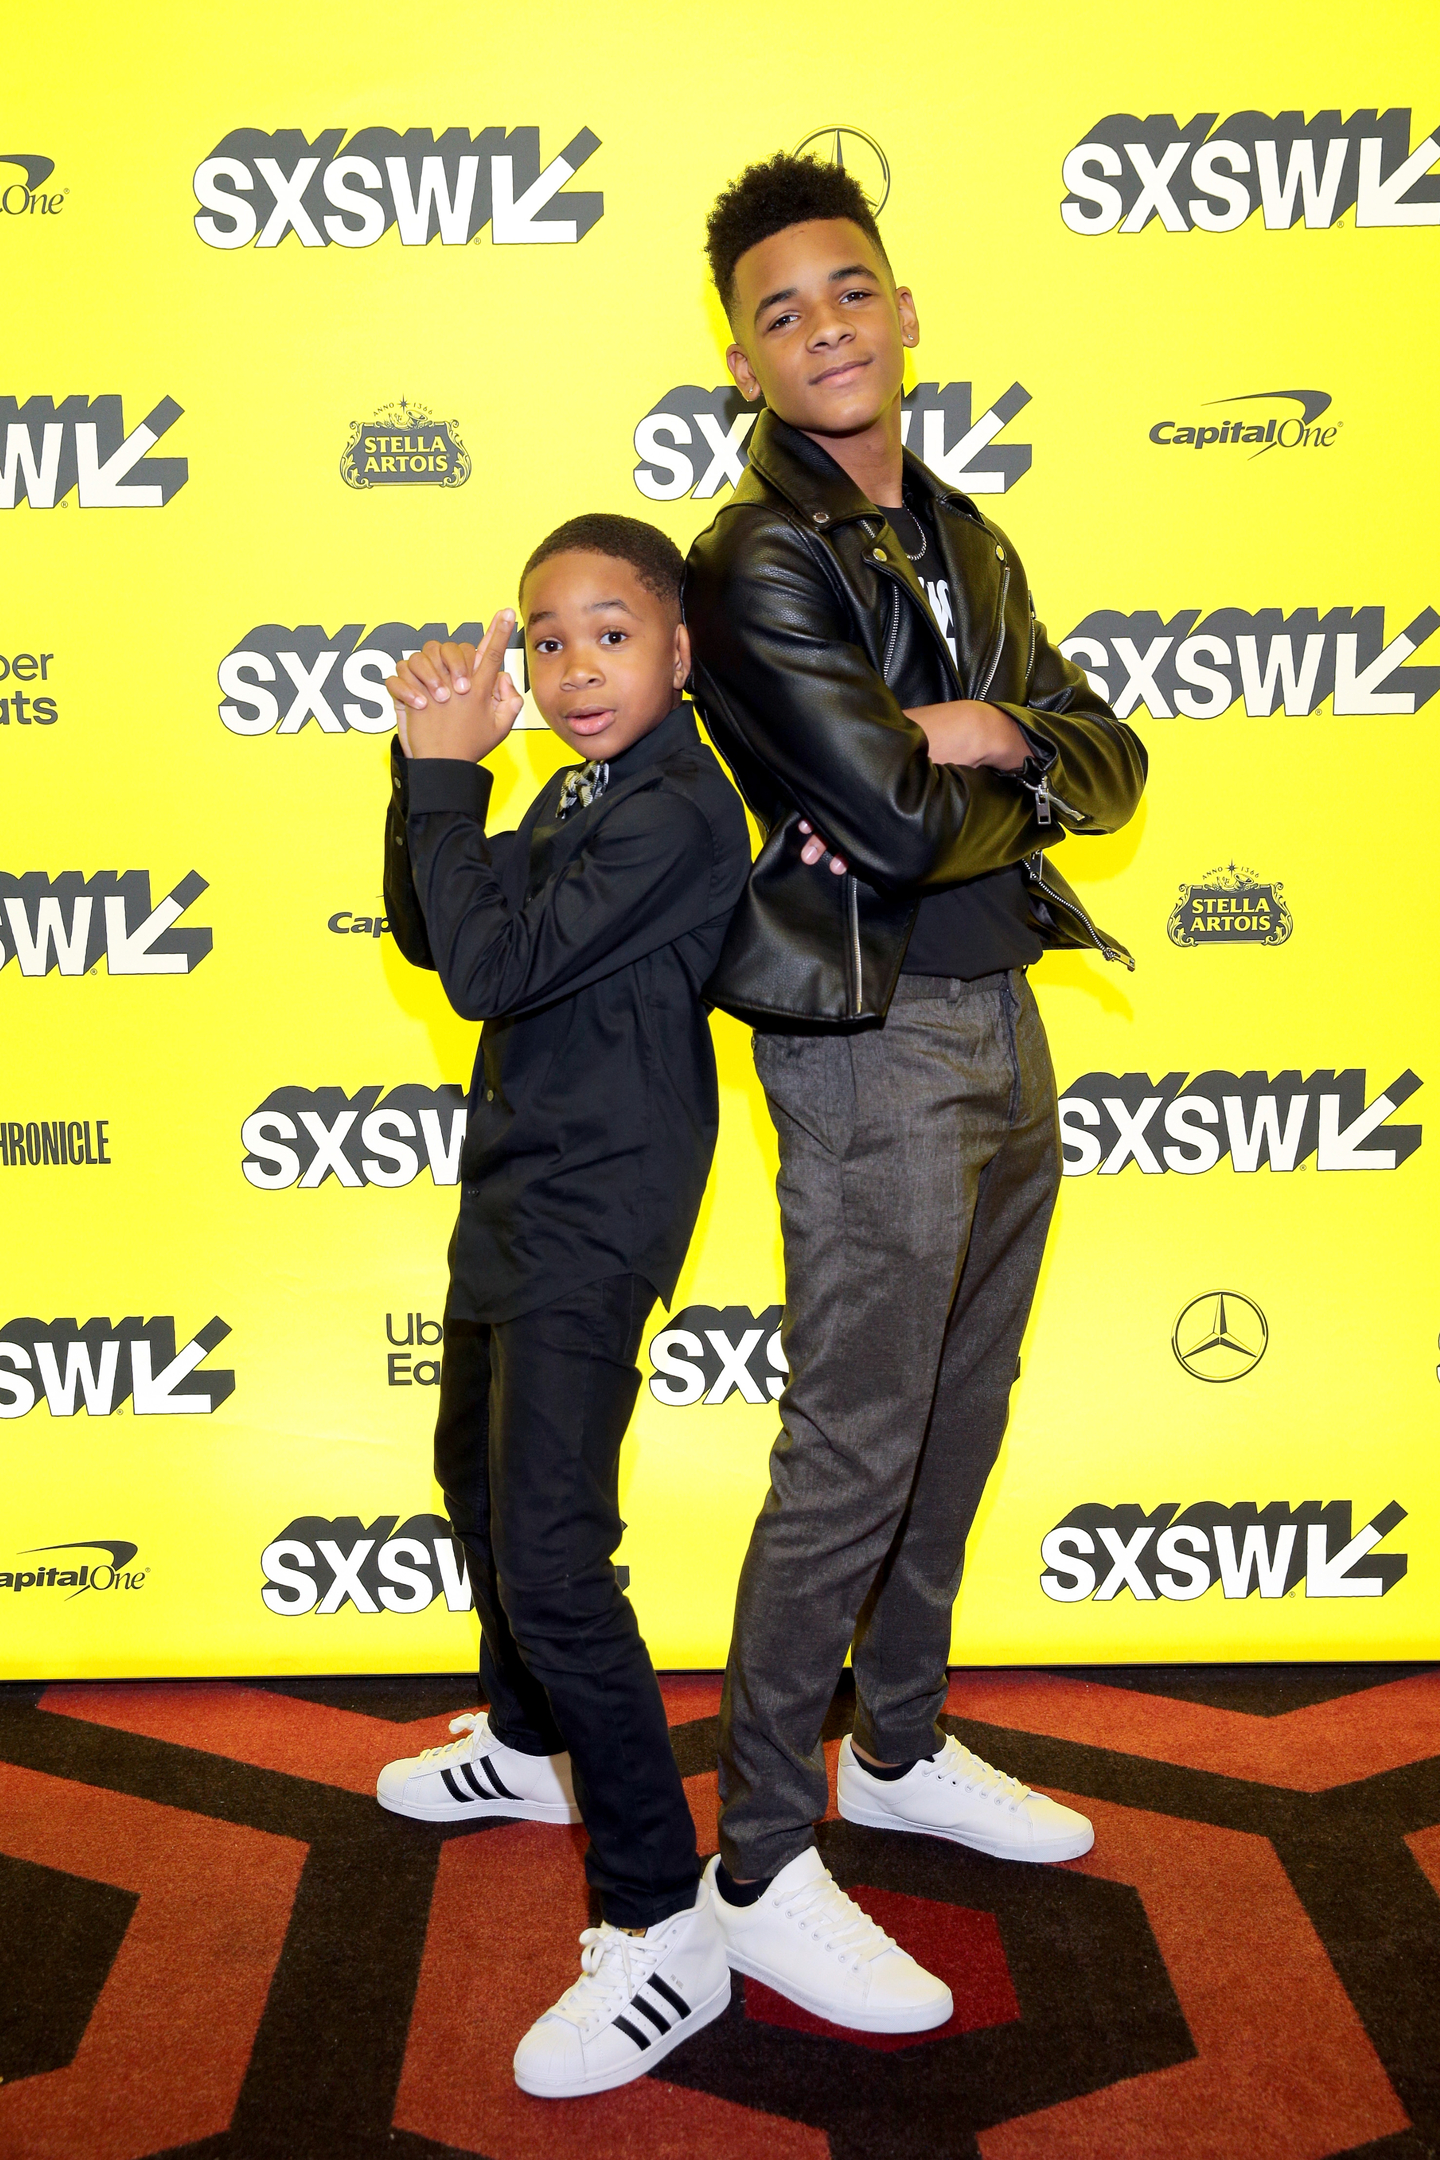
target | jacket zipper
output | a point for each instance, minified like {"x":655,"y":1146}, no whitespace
{"x":1034,"y":868}
{"x":999,"y":644}
{"x":852,"y":914}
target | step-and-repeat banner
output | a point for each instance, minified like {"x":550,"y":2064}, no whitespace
{"x":318,"y":321}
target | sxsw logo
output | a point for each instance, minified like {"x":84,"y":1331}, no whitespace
{"x":1097,"y":1552}
{"x":1190,"y":1124}
{"x":71,"y":922}
{"x":301,"y":1136}
{"x":103,"y":1365}
{"x":1128,"y":171}
{"x":318,"y":1564}
{"x":706,"y":1355}
{"x":338,"y":680}
{"x":259,"y":187}
{"x":693,"y":441}
{"x":1202,"y":668}
{"x":47,"y":449}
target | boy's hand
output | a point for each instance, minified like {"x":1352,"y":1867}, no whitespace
{"x":456,"y":701}
{"x":817,"y":850}
{"x":969,"y":732}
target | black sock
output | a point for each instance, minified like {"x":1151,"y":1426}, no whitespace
{"x":740,"y":1893}
{"x":886,"y":1771}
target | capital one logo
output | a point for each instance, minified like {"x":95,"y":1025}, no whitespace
{"x":259,"y":187}
{"x":102,"y":1365}
{"x":693,"y":441}
{"x":280,"y":679}
{"x":1097,"y":1552}
{"x":1200,"y":668}
{"x":47,"y":449}
{"x":302,"y":1136}
{"x":1128,"y":172}
{"x":1189,"y":1125}
{"x":69,"y":923}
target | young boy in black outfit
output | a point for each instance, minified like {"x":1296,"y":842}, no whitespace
{"x":582,"y":941}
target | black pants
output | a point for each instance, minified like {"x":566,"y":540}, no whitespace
{"x":527,"y":1454}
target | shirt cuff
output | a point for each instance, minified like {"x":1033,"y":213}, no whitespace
{"x":448,"y":784}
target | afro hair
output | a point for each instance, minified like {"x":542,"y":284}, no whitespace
{"x":767,"y":198}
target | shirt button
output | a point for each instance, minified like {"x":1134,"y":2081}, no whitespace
{"x":489,"y":1094}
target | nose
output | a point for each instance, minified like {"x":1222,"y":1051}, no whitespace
{"x":583,"y":672}
{"x":830,"y":328}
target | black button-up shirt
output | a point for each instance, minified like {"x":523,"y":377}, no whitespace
{"x":582,"y":946}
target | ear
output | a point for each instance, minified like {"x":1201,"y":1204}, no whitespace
{"x":747,"y":382}
{"x":909,"y":320}
{"x":682,"y":655}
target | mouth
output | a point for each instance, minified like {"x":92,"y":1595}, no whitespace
{"x":589,"y":719}
{"x":838,"y":378}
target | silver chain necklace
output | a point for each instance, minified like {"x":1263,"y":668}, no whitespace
{"x":905,"y":509}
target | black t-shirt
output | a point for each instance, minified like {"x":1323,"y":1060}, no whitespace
{"x":984,"y":924}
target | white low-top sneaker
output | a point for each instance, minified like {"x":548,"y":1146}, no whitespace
{"x":475,"y":1776}
{"x":637,"y":1998}
{"x":957,"y":1795}
{"x":810,"y":1942}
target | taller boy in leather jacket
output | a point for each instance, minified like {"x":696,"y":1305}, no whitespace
{"x":868,"y":661}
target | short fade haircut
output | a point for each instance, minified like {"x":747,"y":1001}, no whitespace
{"x":767,"y":198}
{"x":654,"y":557}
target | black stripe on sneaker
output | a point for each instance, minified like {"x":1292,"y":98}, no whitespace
{"x":447,"y":1779}
{"x":631,"y":2032}
{"x":671,"y":1995}
{"x":638,"y":2002}
{"x":502,"y":1791}
{"x":481,"y":1792}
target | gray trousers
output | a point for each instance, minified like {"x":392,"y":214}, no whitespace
{"x":919,"y":1164}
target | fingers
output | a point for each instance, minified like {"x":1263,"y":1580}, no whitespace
{"x":813,"y":851}
{"x":490,"y":658}
{"x":402,"y":728}
{"x":838,"y":865}
{"x":404,"y":687}
{"x":431,"y":670}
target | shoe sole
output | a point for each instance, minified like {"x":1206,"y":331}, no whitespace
{"x":624,"y":2074}
{"x":1071,"y":1848}
{"x":545,"y":1811}
{"x":893,"y":2021}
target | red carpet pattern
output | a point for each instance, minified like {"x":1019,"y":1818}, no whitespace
{"x":214,"y":1945}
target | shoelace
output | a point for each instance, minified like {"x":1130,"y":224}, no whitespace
{"x":958,"y":1763}
{"x":612,"y":1966}
{"x":465,"y":1724}
{"x":835,"y":1919}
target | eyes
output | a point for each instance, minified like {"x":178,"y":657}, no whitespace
{"x":792,"y":315}
{"x":608,"y":638}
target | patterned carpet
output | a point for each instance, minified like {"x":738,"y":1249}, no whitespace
{"x":214,"y":1944}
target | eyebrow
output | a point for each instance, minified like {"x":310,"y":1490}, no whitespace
{"x":596,"y":607}
{"x":789,"y":291}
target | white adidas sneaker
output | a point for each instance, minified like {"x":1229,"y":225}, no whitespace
{"x":637,"y":1998}
{"x":475,"y":1776}
{"x":957,"y":1795}
{"x":810,"y":1942}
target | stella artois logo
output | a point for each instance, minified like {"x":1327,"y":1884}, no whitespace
{"x":403,"y":447}
{"x":1230,"y":907}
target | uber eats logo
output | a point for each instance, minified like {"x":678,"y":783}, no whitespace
{"x":280,"y":679}
{"x":318,"y":1565}
{"x":693,"y":441}
{"x":102,"y":1365}
{"x":69,"y":923}
{"x":1188,"y":1125}
{"x":707,"y":1354}
{"x":1270,"y":660}
{"x":259,"y":187}
{"x":1129,"y":172}
{"x":302,"y":1136}
{"x":1097,"y":1551}
{"x":47,"y":449}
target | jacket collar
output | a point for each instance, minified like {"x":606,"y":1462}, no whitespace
{"x":824,"y":494}
{"x":677,"y":731}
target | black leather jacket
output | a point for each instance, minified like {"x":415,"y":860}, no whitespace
{"x":802,"y":609}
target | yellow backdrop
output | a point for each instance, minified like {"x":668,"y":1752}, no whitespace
{"x":318,"y":321}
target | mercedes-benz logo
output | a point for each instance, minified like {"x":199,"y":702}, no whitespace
{"x":1220,"y":1336}
{"x":857,"y":153}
